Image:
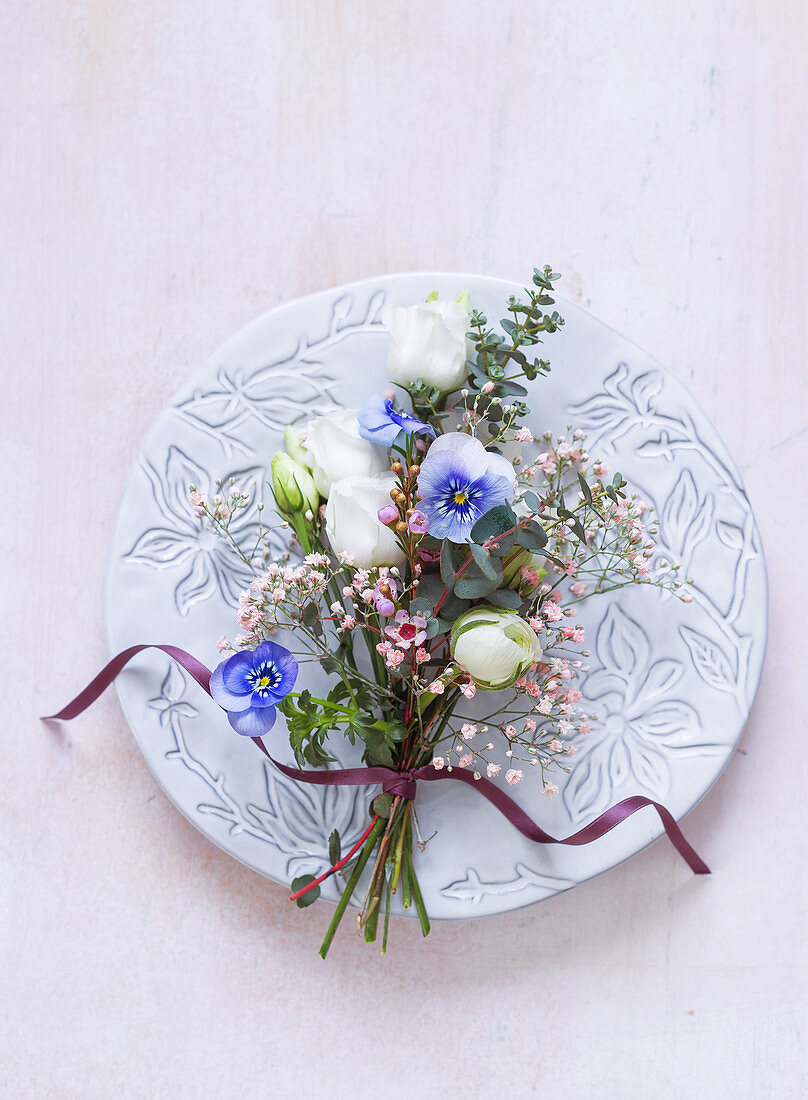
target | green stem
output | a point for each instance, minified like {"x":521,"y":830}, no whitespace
{"x":386,"y":919}
{"x":406,"y":888}
{"x":372,"y":921}
{"x":418,"y":898}
{"x":350,"y":886}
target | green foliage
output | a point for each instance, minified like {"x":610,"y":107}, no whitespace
{"x":308,"y":729}
{"x":348,"y":707}
{"x":505,"y":597}
{"x":532,"y":536}
{"x":310,"y":896}
{"x":504,"y":357}
{"x":382,"y":804}
{"x":476,"y":582}
{"x":447,"y":568}
{"x":494,"y":523}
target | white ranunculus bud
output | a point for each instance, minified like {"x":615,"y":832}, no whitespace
{"x":495,"y":646}
{"x":334,"y":449}
{"x":428,"y":341}
{"x":353,"y":526}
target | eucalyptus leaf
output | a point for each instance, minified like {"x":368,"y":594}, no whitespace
{"x":505,"y":597}
{"x":532,"y":536}
{"x":474,"y":587}
{"x":585,"y":489}
{"x":495,"y":522}
{"x":308,"y":898}
{"x":432,"y":627}
{"x":447,"y":569}
{"x":483,"y":560}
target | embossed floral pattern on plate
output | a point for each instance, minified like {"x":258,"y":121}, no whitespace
{"x":671,"y":683}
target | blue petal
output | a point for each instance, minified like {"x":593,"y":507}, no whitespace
{"x":236,"y":672}
{"x":284,"y":662}
{"x":253,"y":722}
{"x":263,"y":698}
{"x":222,"y":695}
{"x":380,"y":423}
{"x":410,"y":423}
{"x":493,"y":490}
{"x":450,"y":527}
{"x":375,"y":422}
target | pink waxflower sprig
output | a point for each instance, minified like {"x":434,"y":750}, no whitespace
{"x":597,"y":538}
{"x":537,"y":727}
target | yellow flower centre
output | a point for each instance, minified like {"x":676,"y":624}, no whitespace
{"x":263,"y":682}
{"x":460,"y":498}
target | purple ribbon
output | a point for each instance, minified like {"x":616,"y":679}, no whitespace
{"x":402,"y":784}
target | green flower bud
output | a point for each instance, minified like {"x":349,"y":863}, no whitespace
{"x":514,"y":562}
{"x":495,"y":646}
{"x":293,"y":487}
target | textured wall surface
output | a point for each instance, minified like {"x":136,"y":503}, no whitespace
{"x":169,"y":171}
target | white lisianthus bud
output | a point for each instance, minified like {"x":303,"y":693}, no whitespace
{"x":428,"y":341}
{"x":334,"y":449}
{"x":495,"y":646}
{"x":293,"y":486}
{"x":294,"y":445}
{"x":352,"y":523}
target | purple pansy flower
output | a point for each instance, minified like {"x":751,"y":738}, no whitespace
{"x":459,"y":482}
{"x":250,"y":683}
{"x":380,"y":421}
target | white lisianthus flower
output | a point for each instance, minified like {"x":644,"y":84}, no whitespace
{"x":495,"y":646}
{"x":352,"y":523}
{"x":334,"y":449}
{"x":428,"y":341}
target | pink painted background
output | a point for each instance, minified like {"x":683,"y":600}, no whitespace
{"x":169,"y":171}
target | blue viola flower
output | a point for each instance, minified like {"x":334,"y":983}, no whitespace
{"x":380,"y":421}
{"x":250,"y":683}
{"x":459,"y":482}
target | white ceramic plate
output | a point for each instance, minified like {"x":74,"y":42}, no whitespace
{"x":672,"y":683}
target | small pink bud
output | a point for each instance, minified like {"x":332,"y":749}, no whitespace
{"x":388,"y":514}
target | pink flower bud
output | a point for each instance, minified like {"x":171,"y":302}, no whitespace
{"x":388,"y":514}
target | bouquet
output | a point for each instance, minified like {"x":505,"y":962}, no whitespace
{"x":436,"y":556}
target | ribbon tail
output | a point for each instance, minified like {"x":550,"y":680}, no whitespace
{"x":107,"y":674}
{"x":596,"y":829}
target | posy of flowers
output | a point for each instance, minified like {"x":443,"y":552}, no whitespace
{"x":438,"y":555}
